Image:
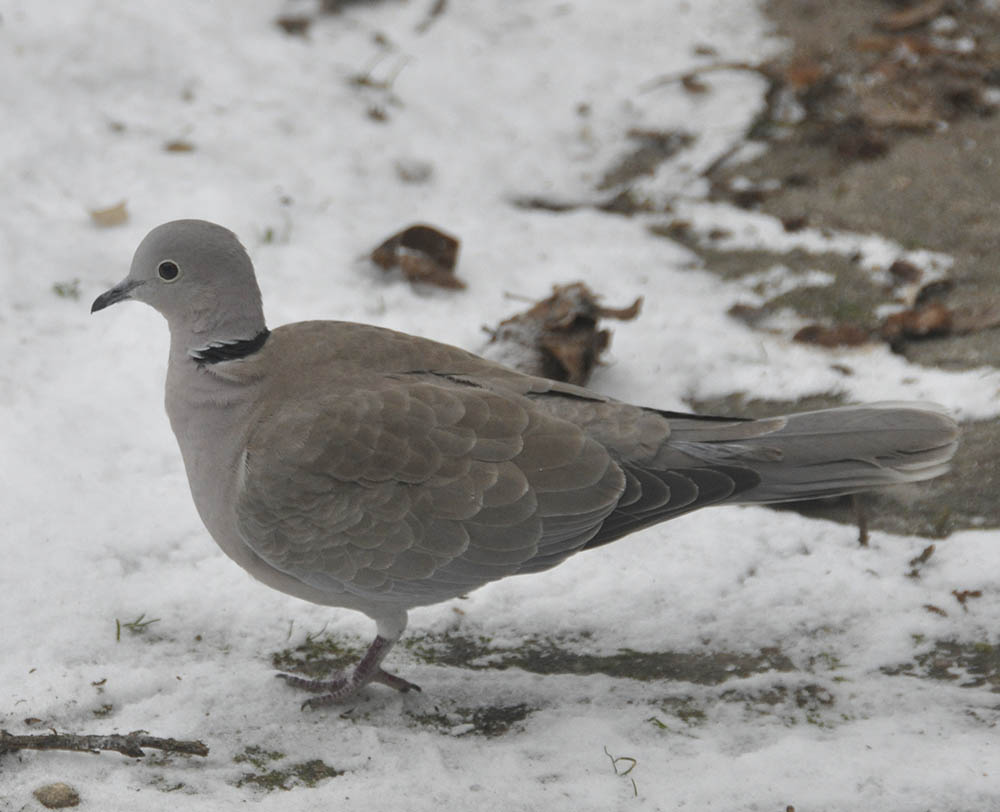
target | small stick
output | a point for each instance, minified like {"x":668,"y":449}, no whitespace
{"x":670,"y":78}
{"x":436,"y":11}
{"x":130,"y":744}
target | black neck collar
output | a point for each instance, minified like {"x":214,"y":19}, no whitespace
{"x":229,"y":350}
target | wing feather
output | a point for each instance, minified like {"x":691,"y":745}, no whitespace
{"x":416,"y":490}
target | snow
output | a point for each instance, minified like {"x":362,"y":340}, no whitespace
{"x":99,"y":526}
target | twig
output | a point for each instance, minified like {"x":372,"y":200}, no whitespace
{"x":130,"y":744}
{"x":436,"y":11}
{"x":137,"y":626}
{"x":670,"y":78}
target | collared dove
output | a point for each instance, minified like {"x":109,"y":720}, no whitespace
{"x":358,"y":467}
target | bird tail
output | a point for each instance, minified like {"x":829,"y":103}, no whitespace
{"x":828,"y":452}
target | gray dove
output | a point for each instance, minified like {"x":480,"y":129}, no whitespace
{"x":358,"y":467}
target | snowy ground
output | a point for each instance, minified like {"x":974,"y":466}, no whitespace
{"x":798,"y":633}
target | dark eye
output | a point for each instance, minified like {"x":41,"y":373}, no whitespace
{"x":168,"y":270}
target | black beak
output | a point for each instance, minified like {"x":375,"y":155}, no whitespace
{"x":118,"y":293}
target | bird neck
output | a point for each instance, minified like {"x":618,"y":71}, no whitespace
{"x":229,"y":349}
{"x":211,"y":335}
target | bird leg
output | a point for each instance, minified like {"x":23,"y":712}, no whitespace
{"x":344,"y":686}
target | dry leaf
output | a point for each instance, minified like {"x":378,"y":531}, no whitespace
{"x":924,"y":321}
{"x":839,"y":335}
{"x":423,"y":254}
{"x":112,"y":216}
{"x":558,"y":337}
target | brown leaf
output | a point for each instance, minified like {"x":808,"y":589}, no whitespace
{"x":839,"y":335}
{"x":922,"y":321}
{"x":419,"y":267}
{"x":558,"y":337}
{"x":574,"y":352}
{"x":423,"y":254}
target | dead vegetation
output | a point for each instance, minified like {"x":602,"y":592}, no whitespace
{"x":558,"y":337}
{"x":423,"y":253}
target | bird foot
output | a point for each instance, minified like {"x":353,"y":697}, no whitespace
{"x":316,"y":686}
{"x":342,"y":686}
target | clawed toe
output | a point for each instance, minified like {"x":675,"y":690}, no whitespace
{"x":316,"y":686}
{"x":400,"y":684}
{"x":343,"y":687}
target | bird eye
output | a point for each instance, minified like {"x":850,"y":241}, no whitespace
{"x":168,"y":270}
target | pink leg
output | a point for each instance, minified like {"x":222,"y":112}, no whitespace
{"x":343,"y":687}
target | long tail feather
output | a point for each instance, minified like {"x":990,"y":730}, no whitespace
{"x":832,"y":451}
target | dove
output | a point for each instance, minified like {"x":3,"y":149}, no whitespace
{"x":357,"y":467}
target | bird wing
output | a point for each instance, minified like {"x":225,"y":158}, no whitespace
{"x":399,"y":487}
